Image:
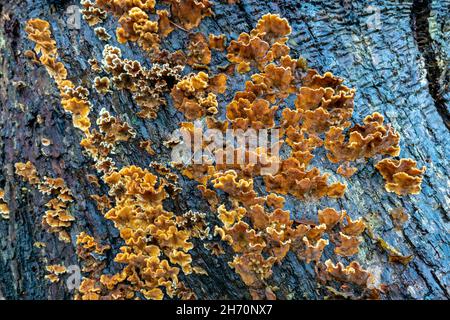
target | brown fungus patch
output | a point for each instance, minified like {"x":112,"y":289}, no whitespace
{"x":4,"y":209}
{"x":189,"y":13}
{"x":402,"y":176}
{"x":195,"y":95}
{"x":217,"y":42}
{"x":364,"y":141}
{"x":198,"y":50}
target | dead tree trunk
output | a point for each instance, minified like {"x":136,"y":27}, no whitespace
{"x":394,"y":52}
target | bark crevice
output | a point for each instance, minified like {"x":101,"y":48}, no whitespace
{"x":420,"y":15}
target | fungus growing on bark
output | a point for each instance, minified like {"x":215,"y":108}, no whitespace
{"x":198,"y":50}
{"x":27,"y":171}
{"x":148,"y":231}
{"x":91,"y":13}
{"x":103,"y":202}
{"x":102,"y":84}
{"x":156,"y":241}
{"x":230,"y":217}
{"x":353,"y":273}
{"x":293,"y":177}
{"x":244,"y":114}
{"x":263,"y":45}
{"x":210,"y":195}
{"x":217,"y":42}
{"x":4,"y":209}
{"x":147,"y":146}
{"x":330,"y":217}
{"x":275,"y":201}
{"x":135,"y":26}
{"x":312,"y":252}
{"x":95,"y":65}
{"x":346,"y":171}
{"x":39,"y":32}
{"x":272,"y":28}
{"x":113,"y":129}
{"x":402,"y":176}
{"x":73,"y":100}
{"x":57,"y":218}
{"x":348,"y":245}
{"x":119,"y":7}
{"x":164,"y":24}
{"x":324,"y":103}
{"x":352,"y":227}
{"x":46,"y":142}
{"x":101,"y":143}
{"x":215,"y":248}
{"x":253,"y":268}
{"x":102,"y":34}
{"x":199,"y":172}
{"x":148,"y":86}
{"x":248,"y":50}
{"x":364,"y":141}
{"x":195,"y":222}
{"x":55,"y":271}
{"x":241,"y":237}
{"x":237,"y":188}
{"x":399,"y":217}
{"x":195,"y":95}
{"x":189,"y":13}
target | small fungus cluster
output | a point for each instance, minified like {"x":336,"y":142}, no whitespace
{"x":4,"y":209}
{"x":154,"y":239}
{"x":402,"y":176}
{"x":57,"y":218}
{"x":136,"y":19}
{"x":263,"y":45}
{"x":195,"y":94}
{"x":148,"y":86}
{"x":91,"y":254}
{"x":54,"y":271}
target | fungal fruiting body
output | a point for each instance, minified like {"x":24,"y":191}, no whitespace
{"x":402,"y":176}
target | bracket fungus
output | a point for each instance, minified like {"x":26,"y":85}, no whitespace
{"x":264,"y":44}
{"x":402,"y":176}
{"x":92,"y":14}
{"x":27,"y":171}
{"x":199,"y":52}
{"x":195,"y":95}
{"x":217,"y":42}
{"x":54,"y":271}
{"x":364,"y":141}
{"x":189,"y":13}
{"x":4,"y":209}
{"x":148,"y":86}
{"x":102,"y":34}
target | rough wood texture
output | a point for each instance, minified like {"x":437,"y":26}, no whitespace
{"x":395,"y":53}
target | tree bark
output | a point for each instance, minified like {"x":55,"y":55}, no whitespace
{"x":395,"y":53}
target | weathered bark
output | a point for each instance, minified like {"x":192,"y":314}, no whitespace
{"x":394,"y":52}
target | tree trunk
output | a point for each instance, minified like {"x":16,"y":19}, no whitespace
{"x":395,"y":53}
